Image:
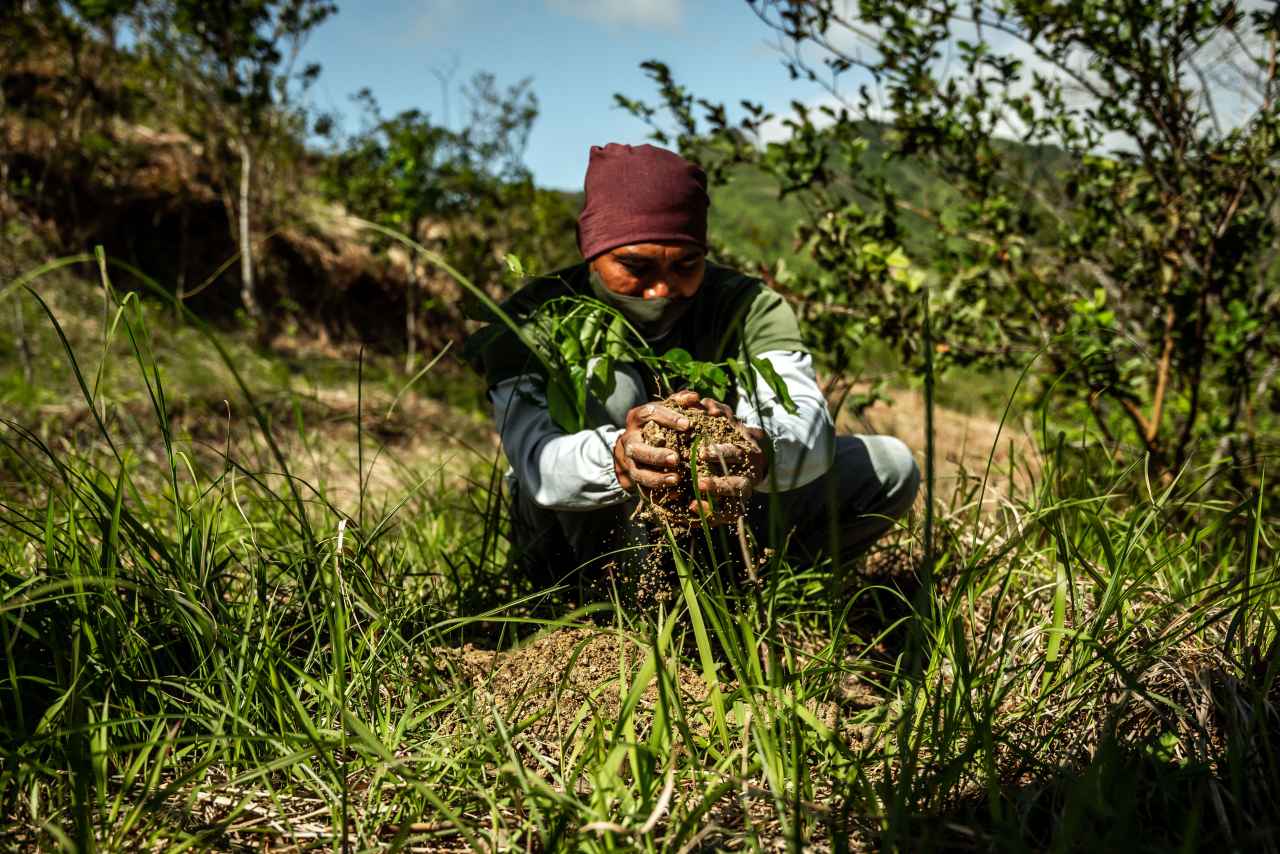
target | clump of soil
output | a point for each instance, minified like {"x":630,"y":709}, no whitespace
{"x":671,"y":505}
{"x":567,"y":681}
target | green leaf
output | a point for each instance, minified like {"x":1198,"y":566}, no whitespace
{"x":514,"y":265}
{"x":616,"y":339}
{"x":678,"y":356}
{"x":591,"y":331}
{"x":716,"y":382}
{"x":561,"y":400}
{"x":578,"y":385}
{"x":775,"y":382}
{"x":601,"y":377}
{"x":571,"y":348}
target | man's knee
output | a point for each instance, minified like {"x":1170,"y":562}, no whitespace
{"x":898,"y":473}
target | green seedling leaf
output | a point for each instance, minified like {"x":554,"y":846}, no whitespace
{"x":578,"y":383}
{"x":590,"y":332}
{"x":616,"y":339}
{"x":775,"y":382}
{"x":708,"y":378}
{"x":678,"y":357}
{"x":601,"y":377}
{"x":560,"y":404}
{"x":571,"y":349}
{"x":514,"y":265}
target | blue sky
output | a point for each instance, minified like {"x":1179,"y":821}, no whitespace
{"x":578,"y":52}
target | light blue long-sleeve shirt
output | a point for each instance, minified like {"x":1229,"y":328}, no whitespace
{"x":574,"y":471}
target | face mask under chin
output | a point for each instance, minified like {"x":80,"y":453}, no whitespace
{"x":653,"y":318}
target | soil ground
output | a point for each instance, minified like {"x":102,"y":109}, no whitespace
{"x":565,"y":682}
{"x":964,"y":442}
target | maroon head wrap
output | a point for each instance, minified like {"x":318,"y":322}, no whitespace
{"x":641,"y":193}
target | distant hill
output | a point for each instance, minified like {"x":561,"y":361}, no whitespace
{"x":750,"y":220}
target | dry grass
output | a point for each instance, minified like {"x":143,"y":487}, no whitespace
{"x":964,"y":443}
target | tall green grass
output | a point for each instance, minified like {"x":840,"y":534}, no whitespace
{"x":201,"y":650}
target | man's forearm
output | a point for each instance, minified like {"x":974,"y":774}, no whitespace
{"x":560,"y":471}
{"x":804,"y":442}
{"x":575,"y":471}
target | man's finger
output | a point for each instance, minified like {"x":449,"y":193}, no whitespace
{"x":727,"y":452}
{"x":663,"y":416}
{"x":651,"y":456}
{"x":685,"y":398}
{"x":730,"y":485}
{"x":651,"y":479}
{"x":705,"y":512}
{"x":715,"y":407}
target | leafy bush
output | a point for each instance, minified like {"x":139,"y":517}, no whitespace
{"x":469,"y":189}
{"x":580,"y":341}
{"x":1128,"y":235}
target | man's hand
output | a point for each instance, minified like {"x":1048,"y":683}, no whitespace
{"x":639,"y":464}
{"x":727,"y":470}
{"x":724,"y":470}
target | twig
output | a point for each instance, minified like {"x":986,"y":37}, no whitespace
{"x":1139,"y":421}
{"x":1162,"y":376}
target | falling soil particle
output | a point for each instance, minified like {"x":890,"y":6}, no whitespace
{"x":563,"y":684}
{"x":644,"y":581}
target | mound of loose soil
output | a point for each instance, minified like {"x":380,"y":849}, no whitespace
{"x":566,"y":681}
{"x":671,"y":505}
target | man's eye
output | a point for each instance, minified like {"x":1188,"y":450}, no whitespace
{"x":636,"y":270}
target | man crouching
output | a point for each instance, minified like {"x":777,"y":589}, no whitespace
{"x":642,"y":233}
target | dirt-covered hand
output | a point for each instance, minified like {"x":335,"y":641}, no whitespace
{"x":637,"y":463}
{"x":728,"y":469}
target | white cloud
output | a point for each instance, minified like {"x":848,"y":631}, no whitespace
{"x":1225,"y":82}
{"x":434,"y":20}
{"x":657,"y":14}
{"x":777,"y":130}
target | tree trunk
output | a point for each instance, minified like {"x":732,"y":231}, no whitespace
{"x":180,"y":289}
{"x":248,"y":295}
{"x":410,"y":319}
{"x":24,"y":344}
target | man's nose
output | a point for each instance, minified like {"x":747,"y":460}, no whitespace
{"x":657,"y":289}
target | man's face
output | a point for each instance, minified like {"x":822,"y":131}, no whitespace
{"x":663,"y":269}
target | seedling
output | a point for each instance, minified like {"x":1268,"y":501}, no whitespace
{"x":581,"y":341}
